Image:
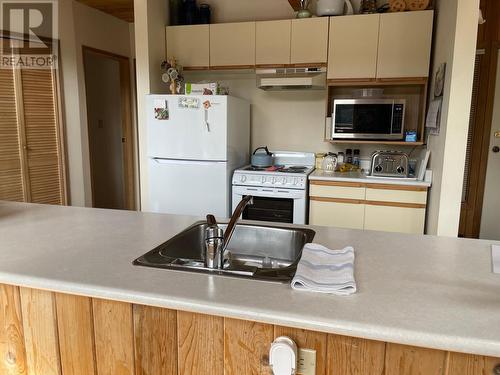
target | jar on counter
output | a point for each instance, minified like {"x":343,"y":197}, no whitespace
{"x":340,"y":158}
{"x":330,"y":163}
{"x":319,"y":160}
{"x":355,"y":158}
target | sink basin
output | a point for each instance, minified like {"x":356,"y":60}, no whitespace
{"x":255,"y":251}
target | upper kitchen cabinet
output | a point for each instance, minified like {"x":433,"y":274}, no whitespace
{"x":404,"y":44}
{"x":352,"y":52}
{"x":189,"y":45}
{"x":272,"y":42}
{"x":309,"y":43}
{"x":232,"y":45}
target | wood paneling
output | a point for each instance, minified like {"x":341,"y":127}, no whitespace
{"x":403,"y":359}
{"x":201,"y":343}
{"x":468,"y":364}
{"x":113,"y":337}
{"x":40,"y":332}
{"x":246,"y":347}
{"x":155,"y":331}
{"x":76,"y":334}
{"x":66,"y":334}
{"x":12,"y":351}
{"x":123,"y":9}
{"x":11,"y":179}
{"x":354,"y":356}
{"x":307,"y":340}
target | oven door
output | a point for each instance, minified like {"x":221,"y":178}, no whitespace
{"x":366,"y":119}
{"x":272,"y":204}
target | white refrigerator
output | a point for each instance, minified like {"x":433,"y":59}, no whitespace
{"x":194,"y":143}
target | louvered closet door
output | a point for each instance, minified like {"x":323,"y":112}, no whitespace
{"x":41,"y":137}
{"x":11,"y":179}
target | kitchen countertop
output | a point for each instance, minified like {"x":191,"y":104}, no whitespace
{"x":321,"y":175}
{"x":426,"y":291}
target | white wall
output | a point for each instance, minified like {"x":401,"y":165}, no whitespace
{"x":454,"y":43}
{"x":258,"y":10}
{"x":150,"y":18}
{"x":79,"y":26}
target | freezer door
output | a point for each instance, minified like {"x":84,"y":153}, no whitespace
{"x":189,"y":188}
{"x":187,"y":127}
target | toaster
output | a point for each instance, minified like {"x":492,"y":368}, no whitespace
{"x":389,"y":164}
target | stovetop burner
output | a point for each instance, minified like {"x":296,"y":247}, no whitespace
{"x":252,"y":168}
{"x":278,"y":168}
{"x":293,"y":169}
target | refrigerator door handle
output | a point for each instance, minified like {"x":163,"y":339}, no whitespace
{"x":206,"y":120}
{"x":190,"y":162}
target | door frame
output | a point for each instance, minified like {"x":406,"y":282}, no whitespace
{"x":488,"y":40}
{"x":128,"y":138}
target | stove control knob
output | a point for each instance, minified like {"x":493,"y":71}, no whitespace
{"x":263,"y":179}
{"x":400,"y":169}
{"x":378,"y":168}
{"x":295,"y":181}
{"x":243,"y":178}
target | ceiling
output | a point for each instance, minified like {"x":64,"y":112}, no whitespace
{"x":123,"y":9}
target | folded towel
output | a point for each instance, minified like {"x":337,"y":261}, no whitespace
{"x":326,"y":271}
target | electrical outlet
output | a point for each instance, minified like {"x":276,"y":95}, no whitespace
{"x":306,"y":362}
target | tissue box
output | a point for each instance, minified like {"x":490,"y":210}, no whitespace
{"x":210,"y":88}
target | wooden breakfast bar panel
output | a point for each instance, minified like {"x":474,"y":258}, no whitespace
{"x":66,"y":334}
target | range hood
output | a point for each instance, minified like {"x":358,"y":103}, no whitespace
{"x":313,"y":78}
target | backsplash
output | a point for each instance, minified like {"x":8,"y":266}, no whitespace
{"x":285,"y":120}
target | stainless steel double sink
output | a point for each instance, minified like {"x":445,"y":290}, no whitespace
{"x":254,"y":251}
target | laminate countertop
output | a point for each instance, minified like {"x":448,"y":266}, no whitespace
{"x":358,"y":177}
{"x":426,"y":291}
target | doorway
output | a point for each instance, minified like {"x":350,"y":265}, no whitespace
{"x":110,"y":133}
{"x":490,"y":217}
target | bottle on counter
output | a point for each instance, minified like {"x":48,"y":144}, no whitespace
{"x":355,"y":158}
{"x":340,"y":158}
{"x":348,"y":156}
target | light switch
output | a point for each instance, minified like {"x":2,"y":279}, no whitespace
{"x":307,"y":362}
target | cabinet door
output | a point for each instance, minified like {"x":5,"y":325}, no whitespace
{"x":352,"y":51}
{"x":272,"y":42}
{"x":404,"y":44}
{"x":336,"y":214}
{"x":11,"y":176}
{"x":232,"y":45}
{"x":394,"y":219}
{"x":189,"y":45}
{"x":309,"y":44}
{"x":42,"y":137}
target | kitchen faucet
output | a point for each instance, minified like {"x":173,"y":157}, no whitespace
{"x":216,"y":241}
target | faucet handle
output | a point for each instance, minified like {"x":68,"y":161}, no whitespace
{"x":211,"y":220}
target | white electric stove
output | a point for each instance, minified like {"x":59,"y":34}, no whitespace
{"x":280,"y":192}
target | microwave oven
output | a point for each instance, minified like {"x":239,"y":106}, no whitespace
{"x":368,"y":118}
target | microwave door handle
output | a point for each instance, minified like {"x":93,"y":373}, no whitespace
{"x":392,"y":117}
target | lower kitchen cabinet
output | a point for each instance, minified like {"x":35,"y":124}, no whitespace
{"x":394,"y":219}
{"x":383,"y":207}
{"x":336,"y":214}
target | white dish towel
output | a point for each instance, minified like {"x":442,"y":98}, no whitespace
{"x":326,"y":271}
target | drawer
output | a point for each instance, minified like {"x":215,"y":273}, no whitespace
{"x":394,"y":219}
{"x":334,"y":214}
{"x":396,"y":195}
{"x":344,"y":191}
